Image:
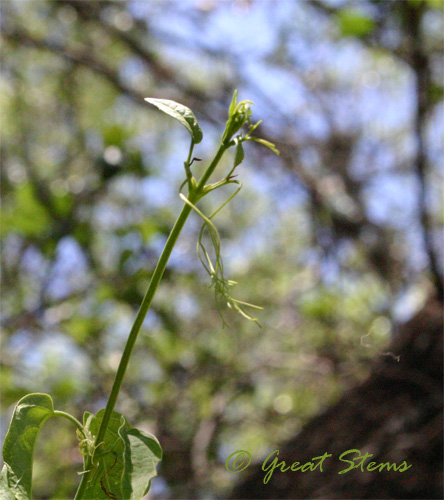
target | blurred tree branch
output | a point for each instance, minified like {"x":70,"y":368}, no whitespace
{"x":80,"y":56}
{"x":412,"y":16}
{"x":411,"y":51}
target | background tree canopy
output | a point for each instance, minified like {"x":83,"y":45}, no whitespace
{"x":338,"y":238}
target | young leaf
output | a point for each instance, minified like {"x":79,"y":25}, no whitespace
{"x":181,"y":113}
{"x":30,"y":414}
{"x":142,"y":454}
{"x":268,"y":144}
{"x":233,"y":105}
{"x":239,"y":155}
{"x":238,"y":115}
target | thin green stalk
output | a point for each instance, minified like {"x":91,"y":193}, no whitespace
{"x":143,"y":310}
{"x":58,"y":413}
{"x":187,"y":167}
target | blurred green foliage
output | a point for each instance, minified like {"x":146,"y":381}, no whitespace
{"x":352,"y":23}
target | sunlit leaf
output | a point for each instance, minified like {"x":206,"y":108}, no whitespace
{"x":268,"y":144}
{"x":181,"y":113}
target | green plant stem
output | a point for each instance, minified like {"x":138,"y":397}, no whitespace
{"x":143,"y":310}
{"x":58,"y":413}
{"x":187,"y":166}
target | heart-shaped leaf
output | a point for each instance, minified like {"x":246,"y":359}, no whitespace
{"x":106,"y":479}
{"x":142,"y":454}
{"x":181,"y":113}
{"x":125,"y":463}
{"x":30,"y":414}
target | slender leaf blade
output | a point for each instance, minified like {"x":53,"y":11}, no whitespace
{"x":239,"y":154}
{"x":180,"y":113}
{"x":233,"y":105}
{"x":268,"y":144}
{"x":30,"y":414}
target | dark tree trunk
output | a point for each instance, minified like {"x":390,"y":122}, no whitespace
{"x":396,"y":415}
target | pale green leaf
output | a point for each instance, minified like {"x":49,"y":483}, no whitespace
{"x":181,"y":113}
{"x":268,"y":144}
{"x":142,"y":454}
{"x":30,"y":414}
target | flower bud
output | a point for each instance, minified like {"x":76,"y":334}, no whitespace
{"x":239,"y":114}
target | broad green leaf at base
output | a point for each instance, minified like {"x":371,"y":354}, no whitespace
{"x":106,"y":479}
{"x":30,"y":414}
{"x":125,"y":463}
